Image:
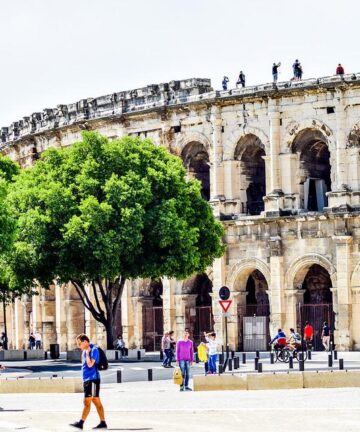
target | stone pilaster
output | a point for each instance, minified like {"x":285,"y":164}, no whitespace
{"x":273,"y":200}
{"x":138,"y":304}
{"x":182,"y":303}
{"x":293,"y":297}
{"x":169,"y":311}
{"x":342,"y":307}
{"x":19,"y":320}
{"x":127,"y":315}
{"x":277,"y":288}
{"x":216,"y":164}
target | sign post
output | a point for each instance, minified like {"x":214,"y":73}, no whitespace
{"x":225,"y":303}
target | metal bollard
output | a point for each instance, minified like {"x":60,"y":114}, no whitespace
{"x":301,"y":366}
{"x":161,"y":355}
{"x":331,"y":347}
{"x":45,"y":354}
{"x":330,"y":361}
{"x":221,"y":358}
{"x":139,"y":355}
{"x":230,"y":364}
{"x":25,"y":355}
{"x":259,"y":368}
{"x":272,"y":358}
{"x":222,"y":349}
{"x":196,"y":358}
{"x":244,"y":358}
{"x":150,"y":374}
{"x":335,"y":355}
{"x":116,"y":355}
{"x":118,"y":376}
{"x":256,"y":362}
{"x":227,"y":351}
{"x":236,"y":363}
{"x":291,"y":362}
{"x":220,"y":369}
{"x":309,"y":354}
{"x":232,"y":354}
{"x":257,"y":353}
{"x":341,"y":364}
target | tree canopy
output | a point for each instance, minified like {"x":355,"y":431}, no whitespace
{"x":100,"y":212}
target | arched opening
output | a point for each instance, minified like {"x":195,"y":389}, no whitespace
{"x":199,"y":317}
{"x":254,"y":313}
{"x":153,"y":320}
{"x":196,"y":161}
{"x":315,"y":169}
{"x":317,"y":304}
{"x":250,"y":151}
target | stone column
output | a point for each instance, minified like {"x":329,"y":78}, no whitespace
{"x":276,"y":298}
{"x":169,"y":311}
{"x":355,"y":321}
{"x":342,"y":307}
{"x":138,"y":304}
{"x":182,"y":303}
{"x":127,"y":315}
{"x":36,"y":313}
{"x":60,"y":317}
{"x":19,"y":315}
{"x":216,"y":164}
{"x":293,"y":297}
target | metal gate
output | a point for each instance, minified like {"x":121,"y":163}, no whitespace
{"x":153,"y":327}
{"x":253,"y":325}
{"x":199,"y":319}
{"x":316,"y":314}
{"x":256,"y":333}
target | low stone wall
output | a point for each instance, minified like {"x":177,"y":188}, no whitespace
{"x":19,"y":355}
{"x":74,"y":355}
{"x":275,"y":381}
{"x":43,"y":385}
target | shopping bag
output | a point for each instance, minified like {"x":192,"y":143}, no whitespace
{"x":177,"y":376}
{"x":202,"y":354}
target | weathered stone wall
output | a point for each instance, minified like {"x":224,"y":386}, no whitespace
{"x":298,"y":144}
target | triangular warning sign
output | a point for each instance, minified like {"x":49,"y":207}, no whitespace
{"x":225,"y":304}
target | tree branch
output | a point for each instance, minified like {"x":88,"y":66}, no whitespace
{"x":119,"y":294}
{"x":80,"y":289}
{"x":101,"y":312}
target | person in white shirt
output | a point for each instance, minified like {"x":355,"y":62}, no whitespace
{"x":37,"y":336}
{"x":211,"y":345}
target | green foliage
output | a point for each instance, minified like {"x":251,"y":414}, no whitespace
{"x":110,"y":209}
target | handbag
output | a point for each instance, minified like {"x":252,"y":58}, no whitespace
{"x":177,"y":376}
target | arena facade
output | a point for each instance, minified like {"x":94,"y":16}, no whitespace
{"x":279,"y":164}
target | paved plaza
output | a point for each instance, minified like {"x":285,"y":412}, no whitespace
{"x":158,"y":406}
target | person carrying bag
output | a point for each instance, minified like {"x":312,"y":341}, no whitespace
{"x":177,"y":376}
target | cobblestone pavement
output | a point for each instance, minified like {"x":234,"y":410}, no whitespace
{"x":158,"y":406}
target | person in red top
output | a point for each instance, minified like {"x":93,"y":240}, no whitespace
{"x":308,"y":334}
{"x":340,"y":70}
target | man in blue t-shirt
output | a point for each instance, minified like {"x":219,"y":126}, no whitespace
{"x":91,"y":377}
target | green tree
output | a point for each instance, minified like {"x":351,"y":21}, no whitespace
{"x":101,"y":212}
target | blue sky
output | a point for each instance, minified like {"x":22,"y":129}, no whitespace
{"x":55,"y":52}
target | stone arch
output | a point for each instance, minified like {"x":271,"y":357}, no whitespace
{"x":314,"y":162}
{"x":355,"y":277}
{"x":233,"y":140}
{"x":300,"y":266}
{"x":183,"y":139}
{"x":250,"y":152}
{"x":293,"y":128}
{"x":242,"y":269}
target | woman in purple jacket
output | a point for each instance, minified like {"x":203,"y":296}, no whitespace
{"x":184,"y":358}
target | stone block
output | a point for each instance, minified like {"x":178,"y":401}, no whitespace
{"x":74,"y":355}
{"x":43,"y":385}
{"x":132,"y":353}
{"x":271,"y":381}
{"x":328,"y":379}
{"x":38,"y":354}
{"x":18,"y":355}
{"x":219,"y":382}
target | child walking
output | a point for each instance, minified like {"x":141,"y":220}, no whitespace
{"x":212,"y":351}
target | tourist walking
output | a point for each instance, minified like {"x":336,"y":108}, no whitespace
{"x":37,"y":336}
{"x":340,"y":71}
{"x":225,"y":82}
{"x":308,"y":335}
{"x":4,"y":341}
{"x":31,"y":341}
{"x":275,"y":71}
{"x":297,"y":70}
{"x":241,"y":79}
{"x":212,"y":351}
{"x":184,"y":358}
{"x":325,"y":336}
{"x":91,"y":381}
{"x":172,"y":347}
{"x":166,"y":349}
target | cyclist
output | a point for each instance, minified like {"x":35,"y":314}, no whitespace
{"x":294,"y":340}
{"x":280,"y":339}
{"x":308,"y":335}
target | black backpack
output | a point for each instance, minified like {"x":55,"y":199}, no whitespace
{"x":103,"y":363}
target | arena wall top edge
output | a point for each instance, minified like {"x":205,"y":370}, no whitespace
{"x":158,"y":96}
